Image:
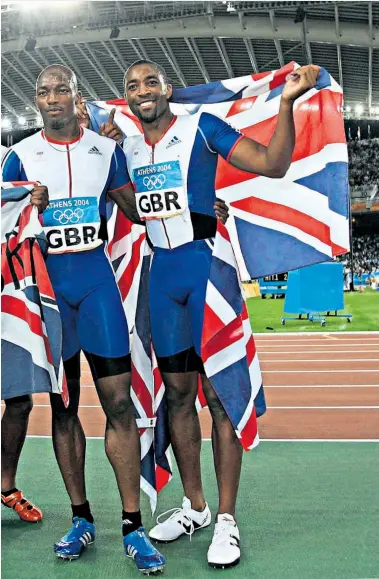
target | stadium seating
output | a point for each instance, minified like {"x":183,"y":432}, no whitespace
{"x":364,"y":173}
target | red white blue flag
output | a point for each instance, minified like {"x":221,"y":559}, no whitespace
{"x":278,"y":224}
{"x":31,"y":331}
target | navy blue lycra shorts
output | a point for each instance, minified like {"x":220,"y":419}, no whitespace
{"x":89,"y":302}
{"x":177,"y":288}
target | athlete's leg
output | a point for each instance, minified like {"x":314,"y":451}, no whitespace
{"x":14,"y":425}
{"x":103,"y":334}
{"x":227,"y":451}
{"x":224,"y":550}
{"x":122,"y":441}
{"x":171,"y":334}
{"x":67,"y":432}
{"x":181,"y":389}
{"x":68,"y":436}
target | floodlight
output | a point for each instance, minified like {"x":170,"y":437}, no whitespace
{"x":359,"y":109}
{"x":6,"y":123}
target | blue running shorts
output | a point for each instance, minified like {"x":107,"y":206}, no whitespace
{"x":89,"y":302}
{"x":177,"y":288}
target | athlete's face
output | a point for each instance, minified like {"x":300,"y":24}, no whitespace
{"x":147,"y":92}
{"x":56,"y":98}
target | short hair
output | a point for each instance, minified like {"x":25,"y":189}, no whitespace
{"x":159,"y":68}
{"x":62,"y":68}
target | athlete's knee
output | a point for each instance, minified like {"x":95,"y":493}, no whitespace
{"x":120,"y":410}
{"x":179,"y":394}
{"x":116,"y":402}
{"x":215,"y":407}
{"x":61,"y":413}
{"x":19,"y":407}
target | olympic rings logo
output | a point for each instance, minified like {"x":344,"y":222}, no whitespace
{"x":68,"y":216}
{"x":154,"y":182}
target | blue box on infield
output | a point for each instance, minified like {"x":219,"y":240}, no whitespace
{"x":317,"y":288}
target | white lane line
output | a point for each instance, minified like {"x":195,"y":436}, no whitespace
{"x":322,"y":407}
{"x":339,"y":440}
{"x":326,"y":386}
{"x":268,"y":407}
{"x":287,"y":386}
{"x":260,"y":352}
{"x":283,"y":386}
{"x":322,"y":345}
{"x":48,"y":405}
{"x":345,"y":371}
{"x":360,"y":333}
{"x":315,"y":439}
{"x":323,"y":360}
{"x":362,"y":341}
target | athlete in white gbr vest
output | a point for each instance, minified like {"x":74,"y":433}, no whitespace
{"x":80,"y":169}
{"x":173,"y":167}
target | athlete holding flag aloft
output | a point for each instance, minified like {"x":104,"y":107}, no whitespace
{"x":179,"y":155}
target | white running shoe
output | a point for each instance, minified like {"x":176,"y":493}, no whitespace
{"x":224,"y":551}
{"x":184,"y":521}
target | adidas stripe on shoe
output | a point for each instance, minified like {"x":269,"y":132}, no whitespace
{"x":146,"y":557}
{"x":81,"y":534}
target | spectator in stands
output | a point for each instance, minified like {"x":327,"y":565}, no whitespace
{"x":365,"y":255}
{"x":363,"y":166}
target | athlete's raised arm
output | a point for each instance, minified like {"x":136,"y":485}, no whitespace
{"x":275,"y":159}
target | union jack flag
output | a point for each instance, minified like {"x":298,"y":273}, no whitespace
{"x":31,"y":332}
{"x":130,"y":256}
{"x":279,"y":224}
{"x":275,"y":226}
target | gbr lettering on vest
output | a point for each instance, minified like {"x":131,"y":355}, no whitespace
{"x":72,"y":224}
{"x":159,"y":190}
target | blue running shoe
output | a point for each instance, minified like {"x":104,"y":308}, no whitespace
{"x":138,"y":547}
{"x":81,"y":534}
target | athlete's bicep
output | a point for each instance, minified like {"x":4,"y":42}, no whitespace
{"x":238,"y":150}
{"x":250,"y":156}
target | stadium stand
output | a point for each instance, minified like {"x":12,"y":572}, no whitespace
{"x":364,"y":173}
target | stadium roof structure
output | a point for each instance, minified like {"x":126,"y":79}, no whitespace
{"x":195,"y":42}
